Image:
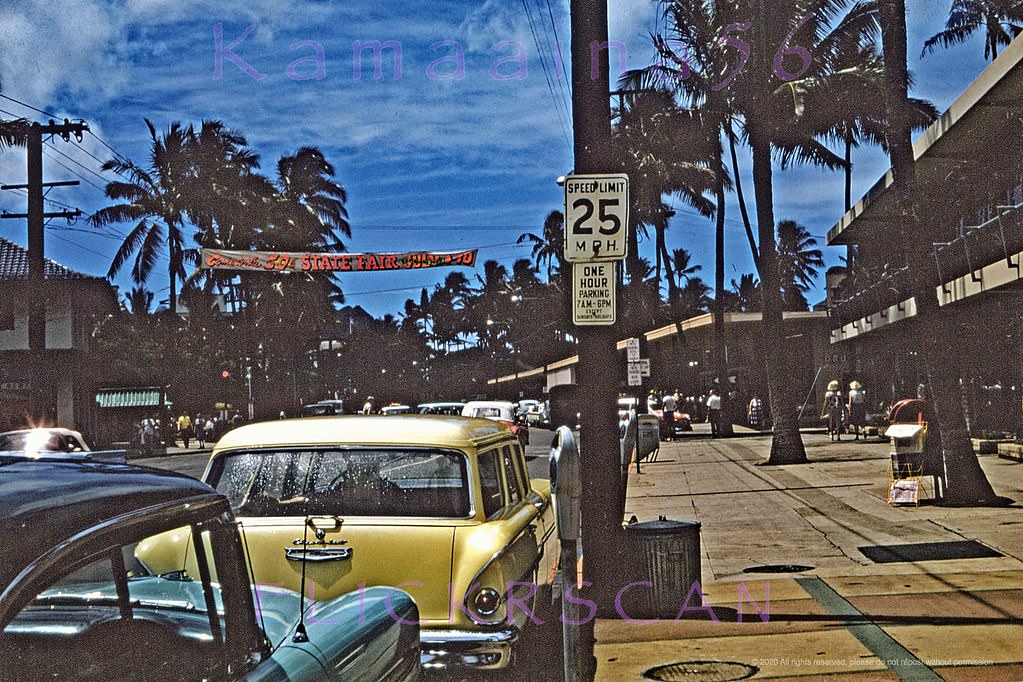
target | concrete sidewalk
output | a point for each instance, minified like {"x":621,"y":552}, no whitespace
{"x":910,"y":613}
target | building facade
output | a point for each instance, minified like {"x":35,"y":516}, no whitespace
{"x":62,"y":377}
{"x":969,"y":194}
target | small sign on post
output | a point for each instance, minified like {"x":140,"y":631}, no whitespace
{"x":593,"y":293}
{"x":634,"y":374}
{"x":632,"y":349}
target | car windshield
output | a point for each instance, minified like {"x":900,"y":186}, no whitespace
{"x":345,"y":482}
{"x":492,"y":413}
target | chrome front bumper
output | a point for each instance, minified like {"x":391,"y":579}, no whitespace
{"x":467,"y":648}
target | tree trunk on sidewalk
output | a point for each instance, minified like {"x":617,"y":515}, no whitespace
{"x":965,"y":482}
{"x":720,"y":361}
{"x":786,"y":443}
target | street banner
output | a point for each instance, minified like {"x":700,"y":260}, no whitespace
{"x":291,"y":261}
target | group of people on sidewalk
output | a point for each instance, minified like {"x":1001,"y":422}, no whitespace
{"x":845,"y":412}
{"x":204,"y":429}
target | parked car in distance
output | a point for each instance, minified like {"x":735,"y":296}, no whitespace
{"x":116,"y":572}
{"x":395,"y":408}
{"x":682,"y":420}
{"x":453,"y":409}
{"x":498,"y":410}
{"x":441,"y":506}
{"x":539,"y":416}
{"x":44,"y":439}
{"x":323,"y":407}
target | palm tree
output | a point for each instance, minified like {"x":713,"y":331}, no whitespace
{"x":799,"y":262}
{"x":747,"y":293}
{"x":765,"y":99}
{"x":14,"y":133}
{"x":1001,"y":21}
{"x":139,"y":301}
{"x":548,"y":247}
{"x":155,"y":199}
{"x":682,"y":265}
{"x":650,"y":132}
{"x":965,"y":482}
{"x":691,"y":299}
{"x":231,"y":207}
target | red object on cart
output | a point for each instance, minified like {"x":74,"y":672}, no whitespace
{"x":911,"y":411}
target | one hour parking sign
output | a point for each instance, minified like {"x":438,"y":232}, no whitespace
{"x":593,"y":293}
{"x":596,"y":217}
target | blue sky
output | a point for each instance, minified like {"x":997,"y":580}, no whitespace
{"x":432,"y":158}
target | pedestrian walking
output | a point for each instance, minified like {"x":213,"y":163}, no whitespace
{"x":714,"y":412}
{"x":184,"y":426}
{"x":210,"y":431}
{"x":832,"y":409}
{"x":200,"y":430}
{"x":668,"y":405}
{"x":368,"y":407}
{"x":755,"y":412}
{"x":857,"y":405}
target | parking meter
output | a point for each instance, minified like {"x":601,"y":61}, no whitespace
{"x":566,"y":482}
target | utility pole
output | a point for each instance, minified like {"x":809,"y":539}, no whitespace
{"x":597,"y":373}
{"x":39,"y":403}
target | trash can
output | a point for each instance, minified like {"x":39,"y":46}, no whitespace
{"x":649,"y":435}
{"x":666,"y":554}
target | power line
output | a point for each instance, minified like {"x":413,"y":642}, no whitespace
{"x":78,"y":163}
{"x":76,"y":174}
{"x":546,"y":73}
{"x":29,"y":106}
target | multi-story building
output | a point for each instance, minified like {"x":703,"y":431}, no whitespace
{"x":62,"y":377}
{"x":969,"y":194}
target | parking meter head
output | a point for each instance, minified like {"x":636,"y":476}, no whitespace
{"x":566,"y":482}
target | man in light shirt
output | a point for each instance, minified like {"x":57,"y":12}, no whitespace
{"x":714,"y":412}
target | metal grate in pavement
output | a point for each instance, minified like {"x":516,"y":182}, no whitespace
{"x":702,"y":671}
{"x":778,"y":568}
{"x":928,"y":551}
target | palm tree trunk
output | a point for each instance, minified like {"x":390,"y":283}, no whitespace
{"x":739,"y":195}
{"x":965,"y":482}
{"x":786,"y":443}
{"x":848,"y":169}
{"x":173,"y":301}
{"x":720,"y":367}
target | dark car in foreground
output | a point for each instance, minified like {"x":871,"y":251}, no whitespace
{"x":82,"y":599}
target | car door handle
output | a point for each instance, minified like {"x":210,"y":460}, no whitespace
{"x":317,"y":554}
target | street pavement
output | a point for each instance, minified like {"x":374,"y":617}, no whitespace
{"x":917,"y":613}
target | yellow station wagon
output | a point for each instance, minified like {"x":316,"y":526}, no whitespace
{"x":438,"y":506}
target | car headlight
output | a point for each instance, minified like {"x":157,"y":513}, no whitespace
{"x":486,"y":602}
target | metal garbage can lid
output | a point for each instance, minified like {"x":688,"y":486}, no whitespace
{"x":662,"y":525}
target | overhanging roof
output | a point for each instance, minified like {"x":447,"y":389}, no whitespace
{"x":973,"y":124}
{"x":130,"y":397}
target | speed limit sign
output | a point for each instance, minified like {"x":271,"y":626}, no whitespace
{"x":596,"y":217}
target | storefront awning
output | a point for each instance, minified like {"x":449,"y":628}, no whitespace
{"x":130,"y":397}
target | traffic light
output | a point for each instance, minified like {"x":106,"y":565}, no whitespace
{"x":226,"y":374}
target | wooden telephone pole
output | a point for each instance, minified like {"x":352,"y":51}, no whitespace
{"x":598,"y":365}
{"x":37,"y":216}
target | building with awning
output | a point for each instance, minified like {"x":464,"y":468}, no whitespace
{"x":681,"y":358}
{"x":969,"y":168}
{"x":61,"y":377}
{"x":121,"y":410}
